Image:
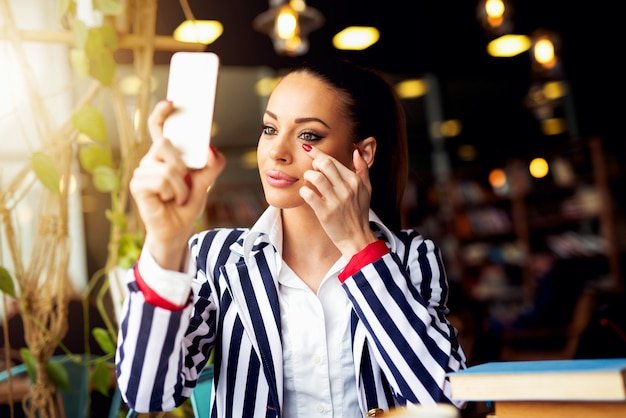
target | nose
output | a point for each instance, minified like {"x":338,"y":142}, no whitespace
{"x":282,"y":148}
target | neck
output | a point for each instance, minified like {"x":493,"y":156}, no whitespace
{"x":307,"y":249}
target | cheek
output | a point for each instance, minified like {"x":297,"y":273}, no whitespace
{"x":302,"y":162}
{"x":343,"y":155}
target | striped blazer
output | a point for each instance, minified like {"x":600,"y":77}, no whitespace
{"x":403,"y":345}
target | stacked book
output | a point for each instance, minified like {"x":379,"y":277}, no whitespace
{"x":594,"y":388}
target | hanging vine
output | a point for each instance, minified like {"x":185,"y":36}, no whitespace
{"x":41,"y":286}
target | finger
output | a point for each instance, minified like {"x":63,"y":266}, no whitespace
{"x":166,"y":181}
{"x":163,"y":160}
{"x":361,"y":169}
{"x":164,"y":151}
{"x":312,"y":198}
{"x":330,"y":179}
{"x":204,"y":178}
{"x":331,"y":167}
{"x":146,"y":185}
{"x":156,"y":119}
{"x":330,"y":185}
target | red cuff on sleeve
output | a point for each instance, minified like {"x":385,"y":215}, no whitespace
{"x":151,"y":296}
{"x":367,"y":255}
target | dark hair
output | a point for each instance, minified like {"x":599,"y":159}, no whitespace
{"x":374,"y":109}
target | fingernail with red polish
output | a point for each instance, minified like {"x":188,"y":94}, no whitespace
{"x":187,"y":179}
{"x":307,"y":147}
{"x":213,"y":149}
{"x":356,"y":147}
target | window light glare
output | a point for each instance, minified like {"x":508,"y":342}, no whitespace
{"x":24,"y":214}
{"x":508,"y":45}
{"x":411,"y":89}
{"x":199,"y":31}
{"x":356,"y":38}
{"x":131,"y":84}
{"x":71,"y":184}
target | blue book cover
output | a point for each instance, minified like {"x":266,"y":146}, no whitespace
{"x":581,"y":380}
{"x":547,"y":366}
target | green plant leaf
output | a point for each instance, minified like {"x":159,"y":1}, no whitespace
{"x":101,"y":378}
{"x":46,"y":171}
{"x":129,"y":249}
{"x":102,"y":68}
{"x":80,"y":62}
{"x":80,"y":31}
{"x":102,"y":38}
{"x":109,"y":7}
{"x":117,"y":218}
{"x":89,"y":121}
{"x":29,"y":363}
{"x":101,"y":42}
{"x":57,"y":373}
{"x":103,"y":338}
{"x":64,"y":6}
{"x":108,"y":37}
{"x":105,"y":179}
{"x":93,"y":156}
{"x":7,"y":285}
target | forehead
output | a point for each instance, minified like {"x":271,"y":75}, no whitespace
{"x":304,"y":92}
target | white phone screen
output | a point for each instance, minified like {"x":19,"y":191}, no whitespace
{"x":192,"y":85}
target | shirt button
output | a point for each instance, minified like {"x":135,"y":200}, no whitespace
{"x":316,"y":359}
{"x":320,"y":408}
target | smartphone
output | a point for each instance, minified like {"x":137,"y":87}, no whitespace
{"x":192,"y":86}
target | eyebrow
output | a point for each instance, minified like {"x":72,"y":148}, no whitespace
{"x":299,"y":120}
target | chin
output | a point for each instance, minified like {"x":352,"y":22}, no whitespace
{"x":284,"y":203}
{"x":283,"y":200}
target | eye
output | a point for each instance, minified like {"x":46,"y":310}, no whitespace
{"x":268,"y":130}
{"x":310,"y":137}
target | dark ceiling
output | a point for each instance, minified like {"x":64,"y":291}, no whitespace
{"x":444,"y":38}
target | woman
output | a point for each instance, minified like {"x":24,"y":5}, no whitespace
{"x":325,"y":305}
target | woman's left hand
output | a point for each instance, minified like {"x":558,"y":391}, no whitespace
{"x":340,"y":198}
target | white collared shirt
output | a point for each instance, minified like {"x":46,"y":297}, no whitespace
{"x":319,"y":378}
{"x":319,"y":374}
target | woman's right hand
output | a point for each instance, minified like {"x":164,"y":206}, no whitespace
{"x":169,"y":195}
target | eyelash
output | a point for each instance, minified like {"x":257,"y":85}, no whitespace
{"x":312,"y":136}
{"x":266,"y":130}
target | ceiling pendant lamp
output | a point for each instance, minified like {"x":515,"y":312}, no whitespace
{"x":545,"y":54}
{"x":495,"y":16}
{"x":288,"y":24}
{"x":200,"y":31}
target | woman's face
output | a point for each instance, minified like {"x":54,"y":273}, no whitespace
{"x":301,"y":110}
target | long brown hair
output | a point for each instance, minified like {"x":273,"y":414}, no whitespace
{"x":375,"y":110}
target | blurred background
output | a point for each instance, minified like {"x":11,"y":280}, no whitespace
{"x":517,"y":157}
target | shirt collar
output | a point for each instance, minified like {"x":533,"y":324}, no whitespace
{"x":269,"y":227}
